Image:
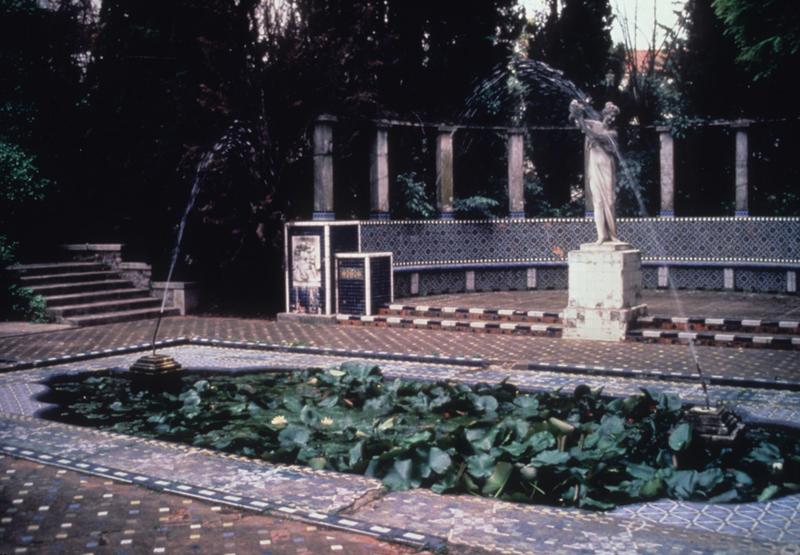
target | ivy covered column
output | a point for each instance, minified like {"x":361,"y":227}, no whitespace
{"x":444,"y":172}
{"x":323,"y":168}
{"x":516,"y":183}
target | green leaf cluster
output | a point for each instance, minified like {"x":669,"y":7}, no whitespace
{"x":565,"y":449}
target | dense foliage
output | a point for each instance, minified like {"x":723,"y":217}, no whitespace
{"x":579,"y":449}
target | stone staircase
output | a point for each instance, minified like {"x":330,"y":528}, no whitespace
{"x":86,"y":293}
{"x":480,"y":320}
{"x":727,"y":332}
{"x":722,"y":332}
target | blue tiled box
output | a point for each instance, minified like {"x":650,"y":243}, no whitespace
{"x":364,"y":282}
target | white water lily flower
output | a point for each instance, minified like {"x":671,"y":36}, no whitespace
{"x":279,"y":420}
{"x":313,"y":381}
{"x":327,"y":421}
{"x":336,"y":373}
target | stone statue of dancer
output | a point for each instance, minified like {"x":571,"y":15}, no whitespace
{"x":601,"y":140}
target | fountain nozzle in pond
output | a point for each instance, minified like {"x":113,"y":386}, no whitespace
{"x":155,"y":365}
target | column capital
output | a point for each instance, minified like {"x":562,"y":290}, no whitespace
{"x":382,"y":124}
{"x":446,"y":128}
{"x":326,"y":118}
{"x":515,"y":131}
{"x":741,"y":123}
{"x":663,"y":128}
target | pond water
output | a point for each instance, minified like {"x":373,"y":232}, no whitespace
{"x":561,"y":448}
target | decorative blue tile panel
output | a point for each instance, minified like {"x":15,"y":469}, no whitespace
{"x":381,"y":281}
{"x":551,"y":278}
{"x":437,"y":282}
{"x":746,"y":279}
{"x":672,"y":239}
{"x":402,"y":284}
{"x":696,"y":249}
{"x":501,"y":280}
{"x":344,"y":238}
{"x":696,"y":278}
{"x":650,"y":277}
{"x":350,"y":286}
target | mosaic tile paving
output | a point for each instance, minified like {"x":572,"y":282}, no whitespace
{"x":50,"y":510}
{"x":283,"y":484}
{"x":749,"y":363}
{"x":522,"y":529}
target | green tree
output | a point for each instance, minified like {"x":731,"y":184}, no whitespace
{"x":767,"y":33}
{"x":705,"y":64}
{"x":40,"y":118}
{"x":576,"y":40}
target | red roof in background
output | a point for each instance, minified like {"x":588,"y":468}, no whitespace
{"x":642,"y":59}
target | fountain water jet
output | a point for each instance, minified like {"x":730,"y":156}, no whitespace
{"x":156,"y":364}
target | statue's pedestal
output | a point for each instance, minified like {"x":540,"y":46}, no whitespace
{"x":605,"y":291}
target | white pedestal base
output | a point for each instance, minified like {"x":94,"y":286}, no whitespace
{"x":605,"y":291}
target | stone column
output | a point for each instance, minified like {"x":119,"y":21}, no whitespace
{"x":667,"y":172}
{"x":516,"y":182}
{"x":742,"y":155}
{"x":323,"y":168}
{"x":379,"y":173}
{"x":444,"y":172}
{"x":588,"y":206}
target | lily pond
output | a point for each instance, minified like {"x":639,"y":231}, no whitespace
{"x":561,"y":448}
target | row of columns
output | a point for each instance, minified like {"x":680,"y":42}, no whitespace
{"x":668,"y":170}
{"x":379,"y":171}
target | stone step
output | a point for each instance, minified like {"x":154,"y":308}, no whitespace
{"x":93,"y":297}
{"x":120,"y":316}
{"x":716,"y":339}
{"x":770,"y":326}
{"x":462,"y":324}
{"x":470,"y":313}
{"x":80,"y":287}
{"x":69,"y":311}
{"x":70,"y":277}
{"x":49,"y":268}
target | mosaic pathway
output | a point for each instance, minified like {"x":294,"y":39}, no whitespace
{"x":46,"y":509}
{"x":418,"y":518}
{"x":732,"y":362}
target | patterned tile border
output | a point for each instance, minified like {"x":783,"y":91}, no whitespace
{"x":462,"y":324}
{"x":474,"y":311}
{"x":254,"y":345}
{"x":786,"y":326}
{"x":718,"y":339}
{"x":331,"y":520}
{"x":619,"y":372}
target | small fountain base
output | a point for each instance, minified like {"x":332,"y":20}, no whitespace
{"x":715,"y":426}
{"x":155,"y":365}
